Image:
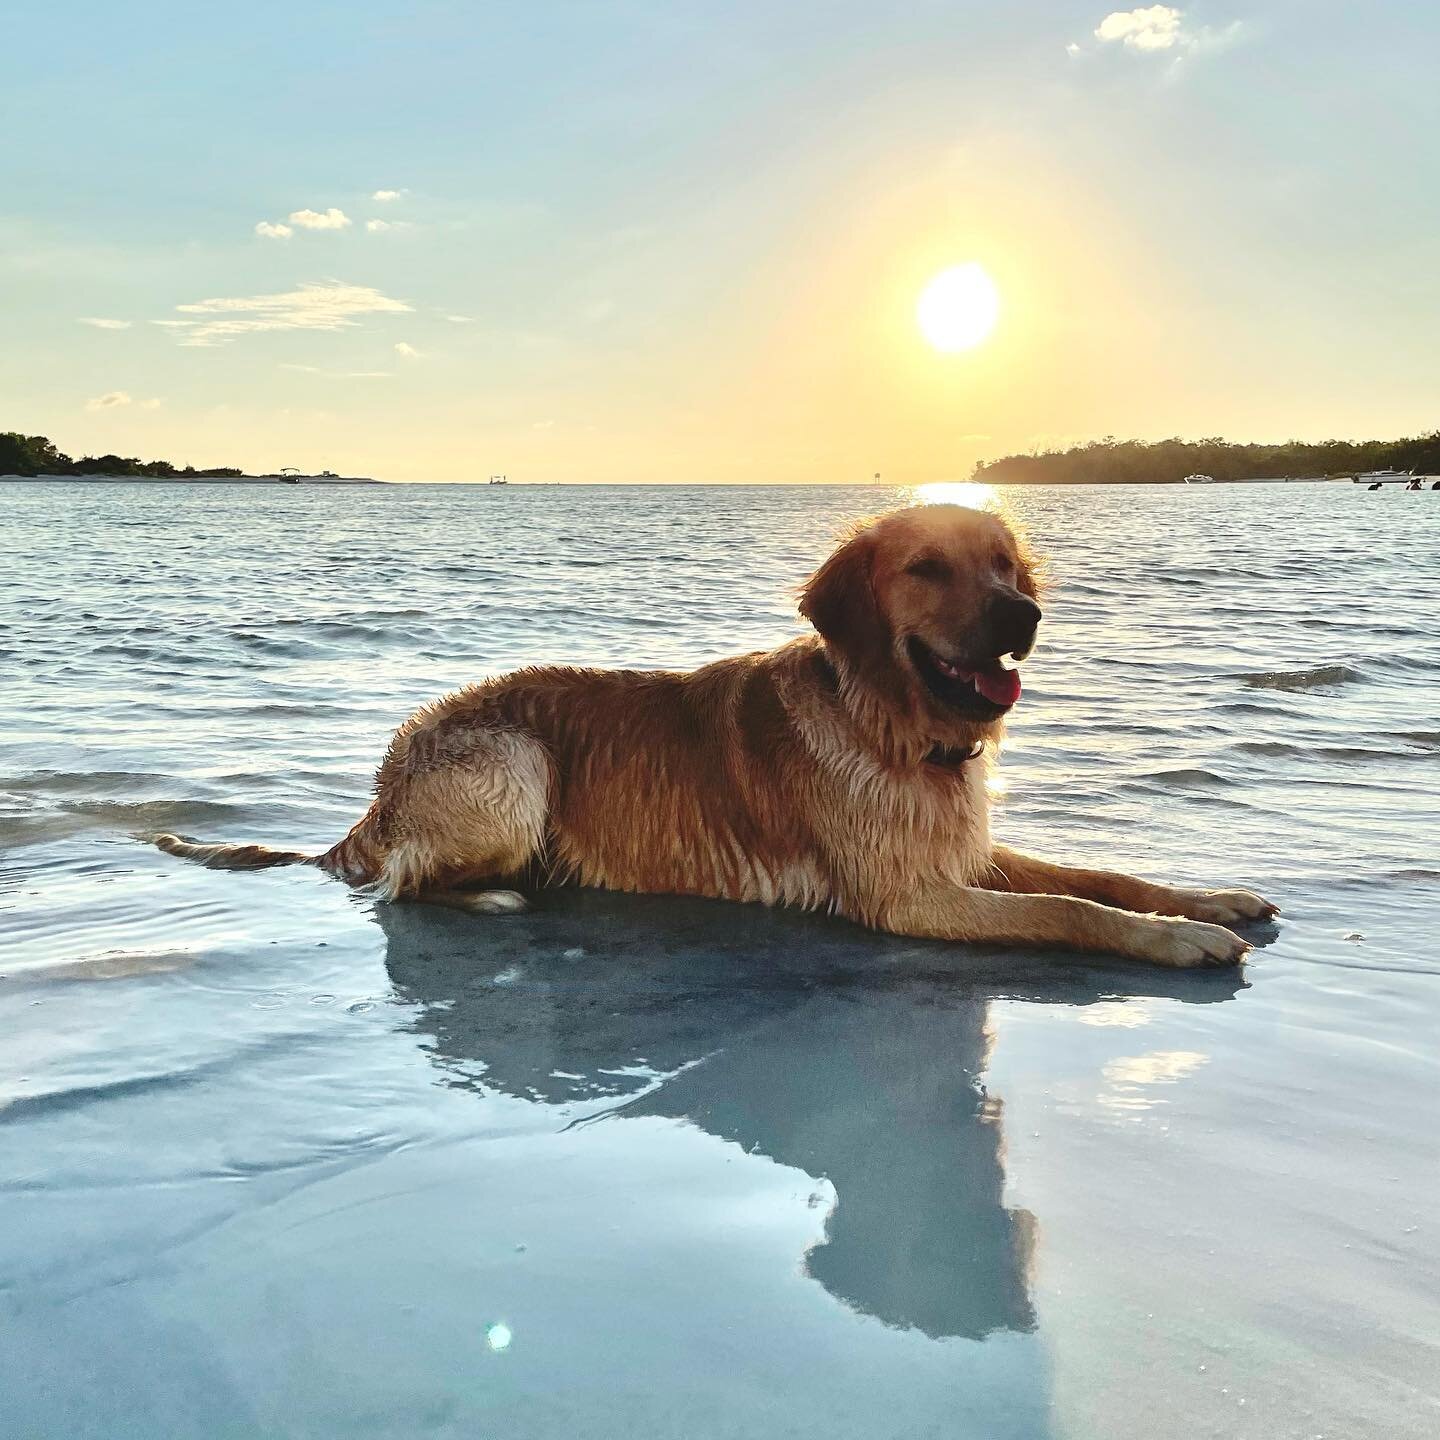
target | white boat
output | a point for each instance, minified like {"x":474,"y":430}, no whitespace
{"x":1199,"y":480}
{"x":1380,"y":477}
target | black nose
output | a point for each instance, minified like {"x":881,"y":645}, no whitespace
{"x":1013,"y":621}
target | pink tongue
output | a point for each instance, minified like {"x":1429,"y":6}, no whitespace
{"x":999,"y":686}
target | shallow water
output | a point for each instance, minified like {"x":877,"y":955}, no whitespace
{"x":278,"y":1162}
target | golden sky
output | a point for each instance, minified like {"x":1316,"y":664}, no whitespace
{"x":689,"y":246}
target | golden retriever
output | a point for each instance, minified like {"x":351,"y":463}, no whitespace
{"x":845,"y":771}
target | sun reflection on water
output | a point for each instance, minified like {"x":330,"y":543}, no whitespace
{"x":973,"y":494}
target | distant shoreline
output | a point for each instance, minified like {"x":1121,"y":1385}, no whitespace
{"x":193,"y":479}
{"x":650,"y":484}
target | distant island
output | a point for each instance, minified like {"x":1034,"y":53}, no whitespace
{"x":1125,"y":462}
{"x":35,"y":457}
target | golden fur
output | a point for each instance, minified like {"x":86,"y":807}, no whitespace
{"x":843,"y":771}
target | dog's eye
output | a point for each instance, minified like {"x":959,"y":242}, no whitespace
{"x":928,"y":567}
{"x":1004,"y":565}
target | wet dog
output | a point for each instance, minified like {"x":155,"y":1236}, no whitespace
{"x":844,"y":771}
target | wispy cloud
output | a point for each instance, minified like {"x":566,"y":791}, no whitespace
{"x":340,"y":374}
{"x":1160,"y":30}
{"x":111,"y":400}
{"x":385,"y":196}
{"x":154,"y":403}
{"x":102,"y":324}
{"x":375,"y":226}
{"x":459,"y":319}
{"x":331,"y":219}
{"x":323,"y":305}
{"x":277,"y":231}
{"x":406,"y":352}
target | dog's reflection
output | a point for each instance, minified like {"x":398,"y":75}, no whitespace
{"x":856,"y":1058}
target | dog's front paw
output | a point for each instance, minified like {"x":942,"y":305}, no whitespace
{"x":1229,"y":907}
{"x":1184,"y":944}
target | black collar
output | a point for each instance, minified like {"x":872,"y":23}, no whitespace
{"x":952,"y":757}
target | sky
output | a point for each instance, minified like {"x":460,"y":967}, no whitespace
{"x":677,"y":241}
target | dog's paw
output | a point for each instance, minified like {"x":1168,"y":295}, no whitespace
{"x":1229,"y":907}
{"x":1185,"y":944}
{"x":497,"y":902}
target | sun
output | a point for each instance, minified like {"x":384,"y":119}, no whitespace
{"x":958,"y":309}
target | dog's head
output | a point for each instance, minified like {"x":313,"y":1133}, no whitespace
{"x":932,"y":608}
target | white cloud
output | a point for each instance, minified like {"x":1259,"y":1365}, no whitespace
{"x":111,"y":400}
{"x":385,"y":196}
{"x":325,"y":305}
{"x":1148,"y":27}
{"x":374,"y":226}
{"x":273,"y":232}
{"x":101,"y":324}
{"x":460,"y":319}
{"x":152,"y":404}
{"x":1157,"y":28}
{"x":331,"y":219}
{"x":1072,"y":48}
{"x":408,"y":352}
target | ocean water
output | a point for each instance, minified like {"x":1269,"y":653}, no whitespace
{"x":277,"y":1161}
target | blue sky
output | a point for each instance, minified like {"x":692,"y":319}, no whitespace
{"x":668,"y":242}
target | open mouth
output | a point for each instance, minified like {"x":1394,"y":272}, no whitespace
{"x":988,"y":689}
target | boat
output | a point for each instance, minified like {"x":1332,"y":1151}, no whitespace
{"x":499,"y":480}
{"x":289,"y":475}
{"x":1381,"y":477}
{"x":1199,"y":480}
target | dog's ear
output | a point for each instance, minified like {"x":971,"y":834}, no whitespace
{"x":839,"y":601}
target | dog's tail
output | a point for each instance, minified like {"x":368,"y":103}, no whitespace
{"x":232,"y":857}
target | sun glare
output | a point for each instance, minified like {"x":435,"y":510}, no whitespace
{"x":958,"y":308}
{"x":973,"y":494}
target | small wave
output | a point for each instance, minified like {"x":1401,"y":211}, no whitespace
{"x":1314,"y":678}
{"x":64,"y":782}
{"x":295,"y":649}
{"x":1342,"y":753}
{"x":1186,"y":779}
{"x":161,"y":814}
{"x":1318,"y":622}
{"x":108,"y":965}
{"x":290,"y":710}
{"x":1430,"y":738}
{"x":1272,"y":709}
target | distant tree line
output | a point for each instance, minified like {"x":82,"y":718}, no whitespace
{"x":35,"y":455}
{"x":1112,"y":461}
